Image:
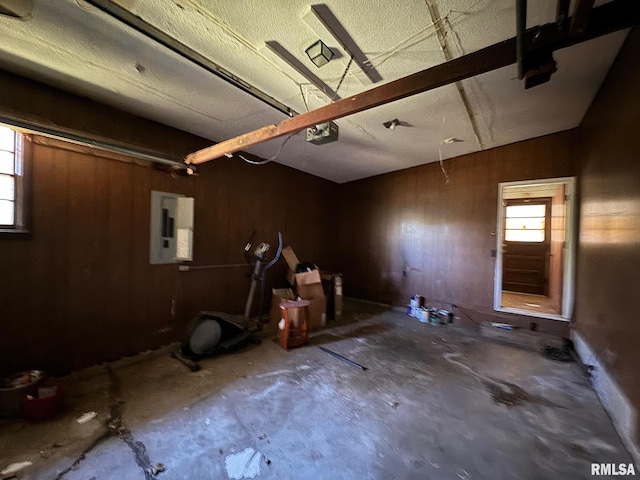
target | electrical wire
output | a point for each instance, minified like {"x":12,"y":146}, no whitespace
{"x":446,"y":175}
{"x":304,"y":99}
{"x":273,"y":157}
{"x":346,"y":70}
{"x":420,"y":36}
{"x":455,"y":307}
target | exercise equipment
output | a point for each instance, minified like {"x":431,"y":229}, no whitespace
{"x":213,"y":332}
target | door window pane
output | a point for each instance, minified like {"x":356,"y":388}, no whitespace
{"x":524,"y":236}
{"x":525,"y":211}
{"x":7,"y":210}
{"x":525,"y":223}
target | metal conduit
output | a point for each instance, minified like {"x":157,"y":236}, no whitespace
{"x":153,"y":33}
{"x":89,"y":142}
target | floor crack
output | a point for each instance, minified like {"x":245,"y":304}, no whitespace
{"x":116,"y":427}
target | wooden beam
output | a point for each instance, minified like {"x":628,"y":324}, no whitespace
{"x":234,"y":145}
{"x":485,"y":60}
{"x":605,"y":19}
{"x":580,"y":17}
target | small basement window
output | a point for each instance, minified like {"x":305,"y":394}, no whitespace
{"x":525,"y":223}
{"x":12,"y":181}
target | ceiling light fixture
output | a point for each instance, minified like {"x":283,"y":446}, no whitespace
{"x":276,"y":52}
{"x":324,"y":23}
{"x":319,"y":53}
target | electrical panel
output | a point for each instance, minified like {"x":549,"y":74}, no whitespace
{"x":171,"y":232}
{"x":322,"y":133}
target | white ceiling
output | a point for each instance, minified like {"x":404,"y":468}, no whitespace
{"x":72,"y":45}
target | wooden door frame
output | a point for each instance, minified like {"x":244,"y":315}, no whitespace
{"x":568,"y":270}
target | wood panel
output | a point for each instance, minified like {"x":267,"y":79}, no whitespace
{"x":608,"y":270}
{"x":413,"y":232}
{"x":40,"y":104}
{"x":80,"y":290}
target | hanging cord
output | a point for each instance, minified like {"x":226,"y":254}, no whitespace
{"x":346,"y":70}
{"x":273,"y":157}
{"x":446,"y":175}
{"x":442,"y":142}
{"x":304,"y":99}
{"x":425,"y":33}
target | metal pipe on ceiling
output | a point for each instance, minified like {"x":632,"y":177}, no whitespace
{"x":72,"y":137}
{"x":158,"y":36}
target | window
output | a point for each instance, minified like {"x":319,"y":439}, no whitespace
{"x":12,"y":187}
{"x":525,"y":223}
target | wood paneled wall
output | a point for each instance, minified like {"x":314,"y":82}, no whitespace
{"x":413,"y":231}
{"x":608,"y":270}
{"x":79,"y":289}
{"x":42,"y":105}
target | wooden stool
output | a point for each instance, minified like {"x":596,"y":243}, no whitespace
{"x":290,"y":336}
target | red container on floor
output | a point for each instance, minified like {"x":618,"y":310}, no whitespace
{"x":42,"y":408}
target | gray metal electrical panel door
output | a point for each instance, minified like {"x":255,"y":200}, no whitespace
{"x":171,"y":232}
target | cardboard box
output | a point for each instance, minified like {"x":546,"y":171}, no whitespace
{"x":291,"y":277}
{"x":280,"y":295}
{"x":292,"y":262}
{"x":317,"y":316}
{"x":290,"y":257}
{"x":309,"y":287}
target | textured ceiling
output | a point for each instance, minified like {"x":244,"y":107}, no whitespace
{"x":73,"y":45}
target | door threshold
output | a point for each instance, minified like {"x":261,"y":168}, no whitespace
{"x":530,"y":313}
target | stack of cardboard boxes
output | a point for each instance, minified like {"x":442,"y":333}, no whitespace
{"x":309,"y":286}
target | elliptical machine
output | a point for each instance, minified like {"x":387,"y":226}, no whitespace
{"x":210,"y":333}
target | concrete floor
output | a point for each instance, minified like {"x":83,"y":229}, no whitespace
{"x":435,"y":402}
